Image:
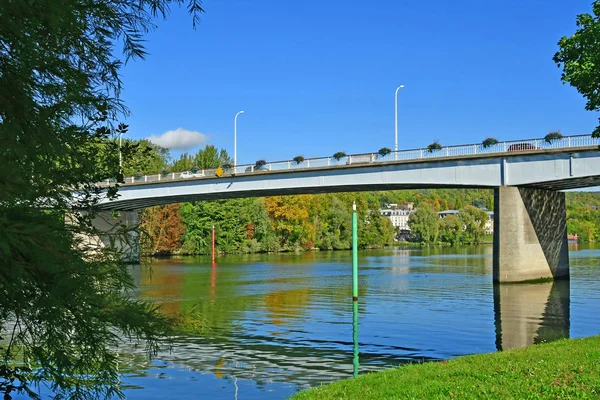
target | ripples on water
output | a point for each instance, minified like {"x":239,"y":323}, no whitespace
{"x":282,"y":323}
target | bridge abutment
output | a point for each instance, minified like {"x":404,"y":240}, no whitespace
{"x":119,"y":233}
{"x":530,"y":235}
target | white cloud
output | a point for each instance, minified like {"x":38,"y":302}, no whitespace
{"x":179,"y":139}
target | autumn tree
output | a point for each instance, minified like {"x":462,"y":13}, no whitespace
{"x":162,"y":229}
{"x":579,"y":57}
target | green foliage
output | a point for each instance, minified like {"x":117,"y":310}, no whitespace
{"x":66,"y":304}
{"x":450,"y":230}
{"x":384,"y":151}
{"x":424,"y":224}
{"x":552,"y":136}
{"x":339,"y":155}
{"x":579,"y":57}
{"x":473,"y":221}
{"x":489,"y":142}
{"x":435,"y":146}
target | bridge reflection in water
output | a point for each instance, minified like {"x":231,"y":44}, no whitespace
{"x":526,"y":314}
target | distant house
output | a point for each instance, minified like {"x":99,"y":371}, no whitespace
{"x":399,"y":220}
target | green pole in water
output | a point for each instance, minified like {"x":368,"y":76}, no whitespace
{"x":355,"y":358}
{"x":354,"y":254}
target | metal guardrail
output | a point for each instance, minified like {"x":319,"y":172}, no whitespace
{"x":567,"y":142}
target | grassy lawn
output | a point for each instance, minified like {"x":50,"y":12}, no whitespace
{"x":566,"y":369}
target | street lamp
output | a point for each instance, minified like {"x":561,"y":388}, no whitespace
{"x":235,"y":139}
{"x":120,"y":155}
{"x":396,"y":109}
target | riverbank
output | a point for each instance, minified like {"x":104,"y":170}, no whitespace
{"x":561,"y":369}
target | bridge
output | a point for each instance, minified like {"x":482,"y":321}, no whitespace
{"x":527,"y":177}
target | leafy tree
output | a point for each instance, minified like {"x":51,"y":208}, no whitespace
{"x":450,"y":230}
{"x":65,"y":303}
{"x":185,"y":163}
{"x":424,"y":224}
{"x":473,"y":220}
{"x":144,"y":156}
{"x":211,"y":157}
{"x":579,"y":56}
{"x":163,"y":229}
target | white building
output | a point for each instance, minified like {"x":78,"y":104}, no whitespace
{"x":398,"y":217}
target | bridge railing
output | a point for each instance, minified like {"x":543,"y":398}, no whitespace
{"x":512,"y":146}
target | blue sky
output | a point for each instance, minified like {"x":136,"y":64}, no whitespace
{"x":317,"y":77}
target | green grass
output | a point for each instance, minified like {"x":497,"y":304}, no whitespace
{"x":566,"y":369}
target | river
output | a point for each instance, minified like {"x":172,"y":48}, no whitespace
{"x":280,"y":323}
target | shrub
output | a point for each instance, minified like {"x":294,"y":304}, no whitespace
{"x":138,"y":175}
{"x":226,"y":166}
{"x":339,"y":155}
{"x":259,"y":164}
{"x":549,"y":138}
{"x":298,"y":159}
{"x":384,"y":151}
{"x":165,"y":172}
{"x":435,"y":146}
{"x":489,"y":142}
{"x":194,"y":169}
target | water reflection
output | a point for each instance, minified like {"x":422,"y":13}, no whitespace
{"x":526,"y":314}
{"x":355,"y":354}
{"x":281,"y":323}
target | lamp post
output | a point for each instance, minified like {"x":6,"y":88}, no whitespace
{"x":120,"y":155}
{"x":396,"y":115}
{"x":235,"y":139}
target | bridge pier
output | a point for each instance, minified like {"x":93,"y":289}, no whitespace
{"x":530,"y":235}
{"x":118,"y":233}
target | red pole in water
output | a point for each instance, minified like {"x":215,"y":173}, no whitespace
{"x":213,"y":244}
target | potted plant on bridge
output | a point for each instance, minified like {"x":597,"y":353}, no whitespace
{"x":489,"y":142}
{"x":164,"y":172}
{"x":552,"y":136}
{"x":435,"y":146}
{"x":194,"y":169}
{"x":298,"y":159}
{"x":138,"y":175}
{"x":339,"y":155}
{"x":226,"y":166}
{"x":259,"y":164}
{"x":384,"y":151}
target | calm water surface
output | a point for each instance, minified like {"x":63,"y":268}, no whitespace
{"x":282,"y":323}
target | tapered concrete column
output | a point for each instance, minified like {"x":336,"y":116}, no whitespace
{"x":530,"y":235}
{"x":120,"y":234}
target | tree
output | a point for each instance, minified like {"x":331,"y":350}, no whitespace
{"x":211,"y":157}
{"x":450,"y":230}
{"x":424,"y":224}
{"x":163,"y":229}
{"x":64,"y":303}
{"x":473,"y":220}
{"x":579,"y":57}
{"x":144,"y":156}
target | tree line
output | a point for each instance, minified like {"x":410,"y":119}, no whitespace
{"x":306,"y":222}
